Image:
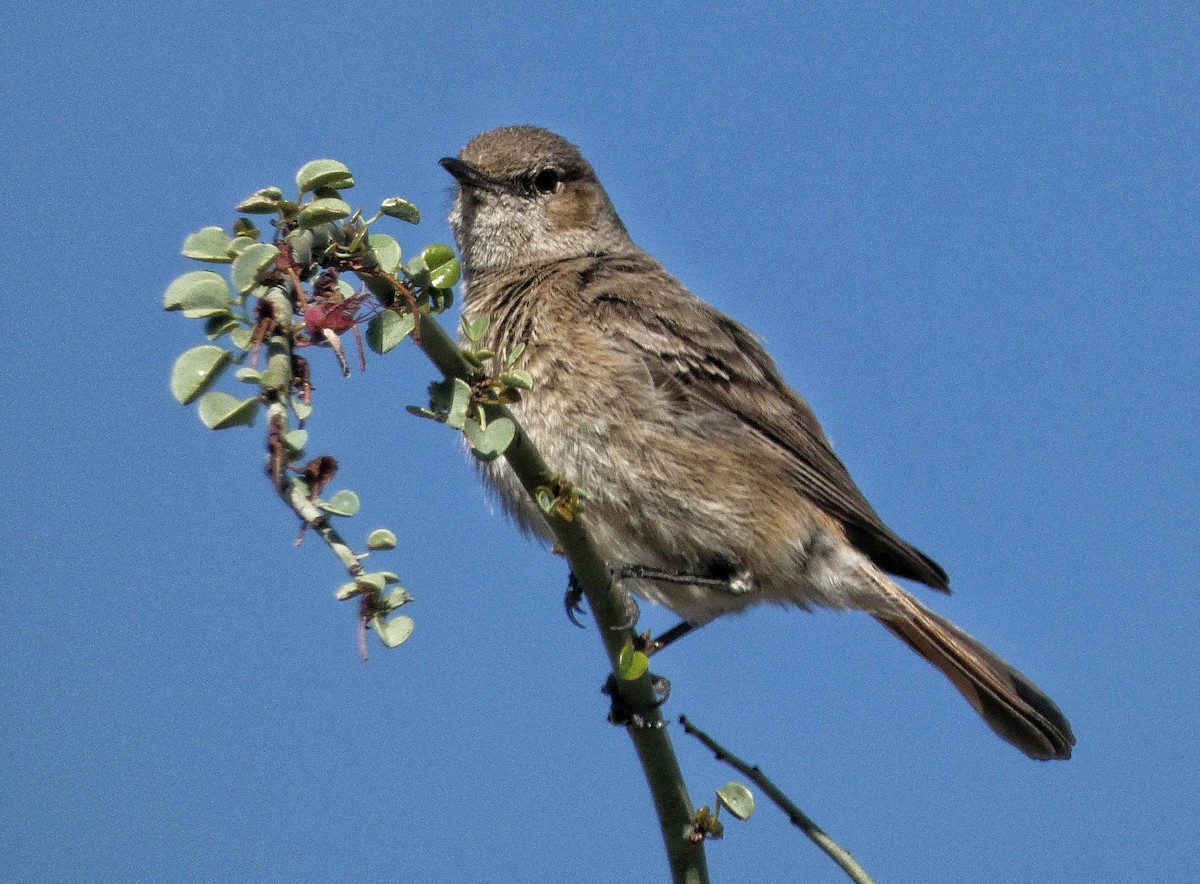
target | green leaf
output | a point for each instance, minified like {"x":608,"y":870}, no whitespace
{"x":393,"y":631}
{"x":198,"y":294}
{"x":387,"y":329}
{"x":324,"y":173}
{"x":737,"y":799}
{"x":386,"y":251}
{"x":210,"y":244}
{"x":344,"y":503}
{"x":301,"y":243}
{"x":242,"y":337}
{"x":375,"y":581}
{"x":445,"y":275}
{"x":398,"y":597}
{"x":251,"y":265}
{"x":301,"y":409}
{"x":450,"y":399}
{"x":323,"y":210}
{"x":436,"y":255}
{"x":238,"y":245}
{"x":474,"y":330}
{"x":261,"y":202}
{"x":196,"y":370}
{"x":517,"y":377}
{"x":395,"y":207}
{"x":278,"y":376}
{"x":631,"y":664}
{"x":295,"y":442}
{"x":244,"y":227}
{"x":348,"y":591}
{"x":511,"y":356}
{"x":491,"y":441}
{"x":220,"y":324}
{"x":381,"y":538}
{"x":219,"y":411}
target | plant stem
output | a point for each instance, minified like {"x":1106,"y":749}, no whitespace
{"x":836,"y":852}
{"x":651,"y":740}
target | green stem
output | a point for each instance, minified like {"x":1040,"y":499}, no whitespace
{"x":651,"y":741}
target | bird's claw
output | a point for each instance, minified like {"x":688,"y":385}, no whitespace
{"x":573,"y":601}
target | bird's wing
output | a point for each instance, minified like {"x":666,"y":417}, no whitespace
{"x":707,"y":359}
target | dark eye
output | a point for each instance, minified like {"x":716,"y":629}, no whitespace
{"x":547,"y":181}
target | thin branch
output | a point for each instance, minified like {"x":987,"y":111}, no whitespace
{"x":651,"y":740}
{"x":836,"y":852}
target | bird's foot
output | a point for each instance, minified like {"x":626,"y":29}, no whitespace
{"x":573,"y":600}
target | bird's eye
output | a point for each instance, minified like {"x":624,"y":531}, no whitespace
{"x":547,"y":181}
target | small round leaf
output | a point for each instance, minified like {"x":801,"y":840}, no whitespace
{"x":295,"y":442}
{"x":474,"y":330}
{"x":396,"y":207}
{"x":490,"y":442}
{"x":375,"y":580}
{"x":344,"y":503}
{"x":198,"y":294}
{"x":436,"y":255}
{"x":301,"y":408}
{"x":323,"y":173}
{"x":446,"y":275}
{"x":393,"y":631}
{"x":387,"y":329}
{"x":737,"y":799}
{"x":196,"y":370}
{"x":387,"y":251}
{"x":381,"y":538}
{"x":219,"y":411}
{"x":322,"y":210}
{"x":517,"y":377}
{"x":250,"y":266}
{"x":261,"y":202}
{"x":398,"y":597}
{"x":210,"y":244}
{"x":220,"y":324}
{"x":242,"y":337}
{"x":631,"y":664}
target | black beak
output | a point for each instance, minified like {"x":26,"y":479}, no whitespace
{"x":469,"y":175}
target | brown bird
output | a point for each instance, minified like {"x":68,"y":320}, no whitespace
{"x":697,"y":457}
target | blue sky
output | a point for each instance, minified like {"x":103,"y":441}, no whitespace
{"x":968,"y":233}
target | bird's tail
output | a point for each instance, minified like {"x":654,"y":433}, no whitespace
{"x":1012,"y":705}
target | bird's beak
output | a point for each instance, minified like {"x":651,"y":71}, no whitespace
{"x":469,"y":175}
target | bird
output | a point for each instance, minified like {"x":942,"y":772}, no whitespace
{"x":710,"y":481}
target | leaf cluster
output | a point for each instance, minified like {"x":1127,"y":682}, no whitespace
{"x":464,"y":406}
{"x":321,"y":273}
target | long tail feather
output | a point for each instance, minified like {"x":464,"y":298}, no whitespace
{"x":1012,"y":705}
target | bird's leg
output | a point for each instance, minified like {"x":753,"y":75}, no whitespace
{"x":676,"y":632}
{"x":728,"y":580}
{"x":734,"y":584}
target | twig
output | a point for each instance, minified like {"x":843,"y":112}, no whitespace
{"x":651,"y":740}
{"x":836,"y":852}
